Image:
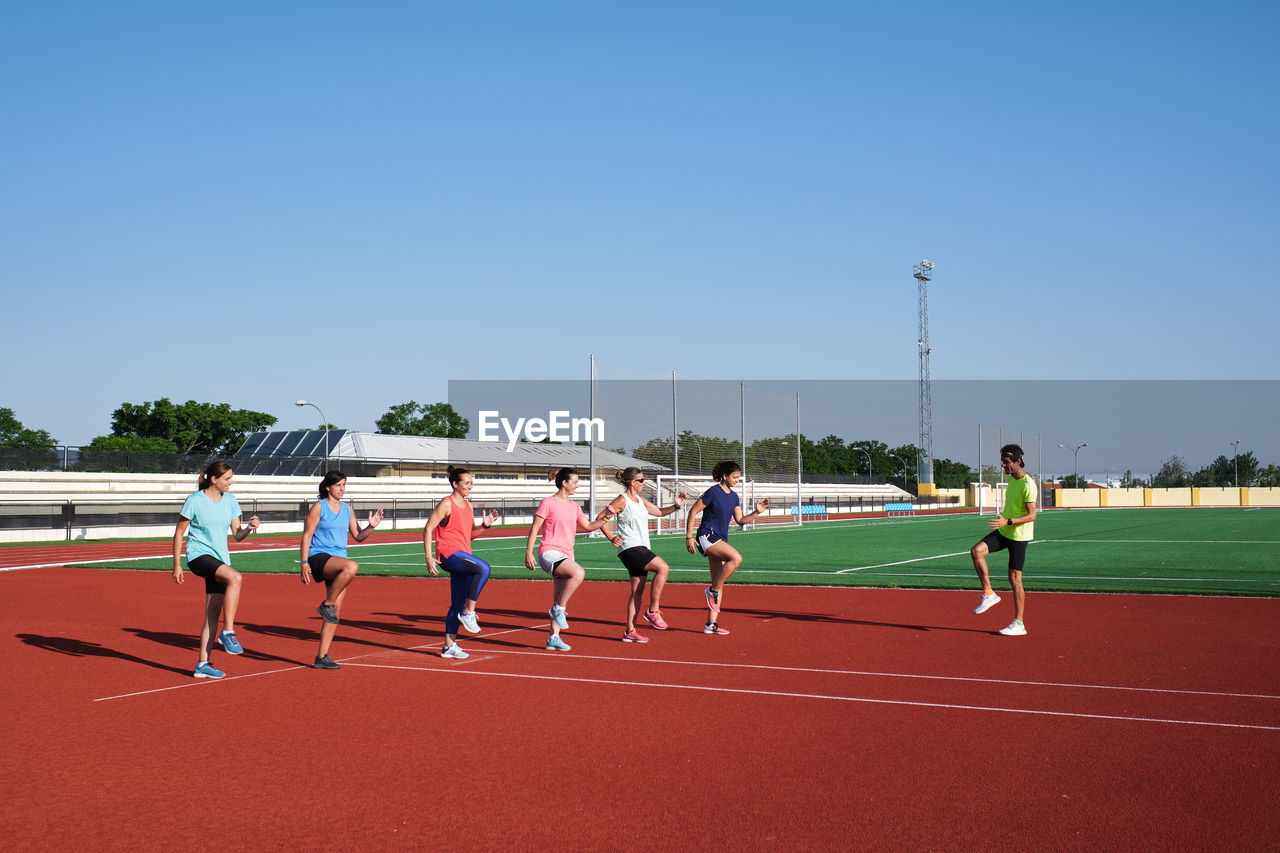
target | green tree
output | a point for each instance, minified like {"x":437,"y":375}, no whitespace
{"x":25,"y":449}
{"x":903,"y":465}
{"x":952,"y":475}
{"x":1074,"y":481}
{"x":192,"y":427}
{"x":14,"y":435}
{"x":1269,"y":476}
{"x":1128,"y":481}
{"x":436,"y":420}
{"x":132,"y":444}
{"x":1222,"y":471}
{"x":1173,"y":473}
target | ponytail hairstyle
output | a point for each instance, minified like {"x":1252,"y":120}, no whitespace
{"x":331,"y":479}
{"x":626,"y":475}
{"x":455,"y":474}
{"x":724,"y":469}
{"x":562,"y":476}
{"x":213,"y":472}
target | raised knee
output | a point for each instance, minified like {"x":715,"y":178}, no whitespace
{"x":978,"y":551}
{"x":353,"y":568}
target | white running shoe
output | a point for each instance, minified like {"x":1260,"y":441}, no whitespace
{"x":1015,"y":629}
{"x":988,"y":602}
{"x":470,"y":622}
{"x":455,"y":652}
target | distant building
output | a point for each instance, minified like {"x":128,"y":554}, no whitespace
{"x":364,"y":454}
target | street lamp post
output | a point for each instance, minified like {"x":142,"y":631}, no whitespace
{"x":325,"y":421}
{"x":1235,"y":459}
{"x":904,"y":468}
{"x":689,"y":434}
{"x":1076,"y":451}
{"x":868,"y":455}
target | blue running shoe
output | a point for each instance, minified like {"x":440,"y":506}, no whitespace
{"x":555,"y":644}
{"x":230,"y":643}
{"x":204,"y":669}
{"x":559,"y":616}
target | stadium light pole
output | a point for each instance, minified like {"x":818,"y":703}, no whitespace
{"x":1076,"y":451}
{"x":325,"y":421}
{"x":689,"y":434}
{"x":1235,"y":459}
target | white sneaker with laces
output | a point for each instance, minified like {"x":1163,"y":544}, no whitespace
{"x":987,"y":602}
{"x":455,"y":652}
{"x":470,"y":622}
{"x":1014,"y":629}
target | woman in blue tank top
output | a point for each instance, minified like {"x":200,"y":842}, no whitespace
{"x":324,"y":554}
{"x":718,"y":506}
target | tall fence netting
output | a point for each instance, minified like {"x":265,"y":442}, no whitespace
{"x":991,"y":477}
{"x":688,"y":426}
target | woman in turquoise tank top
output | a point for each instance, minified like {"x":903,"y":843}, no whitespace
{"x":324,"y":554}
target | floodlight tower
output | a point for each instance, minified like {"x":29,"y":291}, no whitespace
{"x":924,"y":464}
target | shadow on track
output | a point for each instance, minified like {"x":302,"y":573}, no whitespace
{"x":84,"y":648}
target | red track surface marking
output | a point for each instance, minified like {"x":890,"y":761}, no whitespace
{"x":829,"y":719}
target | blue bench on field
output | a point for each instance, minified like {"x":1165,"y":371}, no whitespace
{"x":899,"y":508}
{"x":809,"y":510}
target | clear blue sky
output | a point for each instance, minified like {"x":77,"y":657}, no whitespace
{"x":357,"y":202}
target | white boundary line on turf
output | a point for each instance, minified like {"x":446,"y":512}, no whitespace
{"x":898,"y":563}
{"x":791,"y":695}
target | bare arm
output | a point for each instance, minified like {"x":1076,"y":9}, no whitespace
{"x":688,"y":525}
{"x":358,"y":534}
{"x":744,"y":520}
{"x":660,"y":512}
{"x":179,"y":532}
{"x":438,"y":515}
{"x":241,"y":532}
{"x":308,"y":530}
{"x":531,"y":561}
{"x":997,"y":523}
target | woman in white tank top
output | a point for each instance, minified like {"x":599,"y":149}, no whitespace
{"x":631,"y":512}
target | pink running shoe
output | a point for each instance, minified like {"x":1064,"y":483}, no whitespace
{"x":634,"y":637}
{"x":714,"y":628}
{"x":713,"y":599}
{"x":654,"y":618}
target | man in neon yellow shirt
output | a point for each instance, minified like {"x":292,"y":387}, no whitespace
{"x":1012,"y":530}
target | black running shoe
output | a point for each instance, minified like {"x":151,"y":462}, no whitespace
{"x":328,"y":612}
{"x":325,"y":662}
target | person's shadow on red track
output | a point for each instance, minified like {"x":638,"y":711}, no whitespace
{"x":84,"y":648}
{"x":187,"y":641}
{"x":310,"y":636}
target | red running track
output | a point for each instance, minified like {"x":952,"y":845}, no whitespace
{"x":828,"y":719}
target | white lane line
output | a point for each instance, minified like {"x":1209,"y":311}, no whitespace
{"x":352,"y":661}
{"x":900,"y":562}
{"x":860,"y":699}
{"x":869,"y":673}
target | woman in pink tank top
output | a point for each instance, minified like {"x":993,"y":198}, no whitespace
{"x":559,"y":519}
